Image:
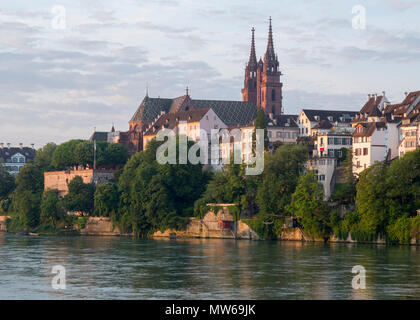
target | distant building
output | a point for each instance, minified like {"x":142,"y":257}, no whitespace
{"x":14,"y":158}
{"x":190,"y":123}
{"x":331,"y":143}
{"x":60,"y":180}
{"x":325,"y":172}
{"x":282,"y":128}
{"x":376,"y":135}
{"x":410,"y":124}
{"x":313,"y":121}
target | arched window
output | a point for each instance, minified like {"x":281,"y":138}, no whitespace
{"x":273,"y":95}
{"x":273,"y":109}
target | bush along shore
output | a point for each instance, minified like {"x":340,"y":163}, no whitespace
{"x":146,"y":197}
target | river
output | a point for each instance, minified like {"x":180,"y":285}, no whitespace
{"x":125,"y":268}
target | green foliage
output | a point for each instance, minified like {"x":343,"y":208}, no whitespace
{"x":260,"y":123}
{"x":399,"y":231}
{"x":51,"y":209}
{"x":26,"y":198}
{"x":156,"y":197}
{"x":279,"y":179}
{"x":80,"y":196}
{"x":263,"y":230}
{"x":64,"y":156}
{"x":106,"y":200}
{"x":7,"y":183}
{"x":44,"y":157}
{"x":308,"y":206}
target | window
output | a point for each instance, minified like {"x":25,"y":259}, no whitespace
{"x":365,"y":151}
{"x":322,"y":177}
{"x":279,"y":134}
{"x":273,"y":95}
{"x":269,"y":134}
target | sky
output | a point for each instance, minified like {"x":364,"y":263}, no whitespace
{"x":58,"y":81}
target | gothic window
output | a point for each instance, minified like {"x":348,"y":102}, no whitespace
{"x":273,"y":95}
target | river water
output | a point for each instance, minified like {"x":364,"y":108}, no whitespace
{"x":125,"y":268}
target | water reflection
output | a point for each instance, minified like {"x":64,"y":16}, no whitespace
{"x":125,"y":268}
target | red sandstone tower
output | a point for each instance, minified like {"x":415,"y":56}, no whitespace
{"x":262,"y":80}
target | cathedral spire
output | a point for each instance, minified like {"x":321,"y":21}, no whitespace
{"x":253,"y":57}
{"x":270,"y":45}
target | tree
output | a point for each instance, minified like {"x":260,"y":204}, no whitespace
{"x":26,"y":198}
{"x":83,"y":154}
{"x":371,"y":202}
{"x":156,"y":197}
{"x":106,"y":200}
{"x":51,"y":208}
{"x":345,"y":192}
{"x":279,"y":180}
{"x":308,"y":206}
{"x":44,"y":157}
{"x":116,"y":154}
{"x":7,"y":183}
{"x":402,"y":197}
{"x":64,"y":155}
{"x":80,"y":196}
{"x":260,"y":123}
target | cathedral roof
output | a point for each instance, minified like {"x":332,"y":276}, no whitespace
{"x":230,"y":112}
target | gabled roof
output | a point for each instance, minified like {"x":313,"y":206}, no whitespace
{"x":323,"y":124}
{"x":284,"y":120}
{"x":371,"y":107}
{"x":99,"y":136}
{"x":368,"y":128}
{"x":346,"y":116}
{"x":170,"y":120}
{"x":230,"y":112}
{"x":7,"y":153}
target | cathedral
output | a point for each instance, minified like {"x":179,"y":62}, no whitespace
{"x":262,"y":89}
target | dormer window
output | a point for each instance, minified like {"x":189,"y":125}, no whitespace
{"x":316,"y":118}
{"x":330,"y":118}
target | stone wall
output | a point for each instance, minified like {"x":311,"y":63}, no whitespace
{"x":209,"y":227}
{"x":60,"y":179}
{"x":3,"y":223}
{"x":99,"y":226}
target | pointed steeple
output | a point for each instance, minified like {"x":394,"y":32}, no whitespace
{"x":252,"y":57}
{"x":270,"y":45}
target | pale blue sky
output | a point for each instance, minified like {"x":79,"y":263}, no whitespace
{"x":57,"y":85}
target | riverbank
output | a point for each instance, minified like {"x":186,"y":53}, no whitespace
{"x":212,"y":226}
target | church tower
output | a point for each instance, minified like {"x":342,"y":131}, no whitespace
{"x":249,"y":92}
{"x":262,"y":79}
{"x":269,"y":83}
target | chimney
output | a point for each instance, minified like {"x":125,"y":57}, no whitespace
{"x":8,"y":145}
{"x":368,"y":96}
{"x":383,"y":93}
{"x":376,"y":96}
{"x":406,"y":94}
{"x":21,"y":145}
{"x":32,"y":145}
{"x":1,"y":145}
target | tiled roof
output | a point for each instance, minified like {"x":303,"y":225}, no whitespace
{"x":7,"y":153}
{"x":323,"y":124}
{"x":170,"y":120}
{"x":347,"y":116}
{"x":371,"y":106}
{"x":99,"y":136}
{"x":230,"y":112}
{"x":284,"y":120}
{"x":368,"y":128}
